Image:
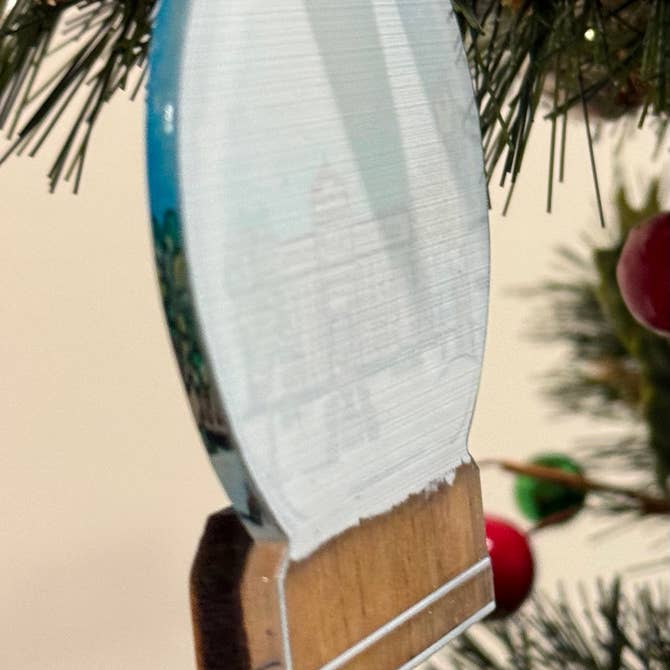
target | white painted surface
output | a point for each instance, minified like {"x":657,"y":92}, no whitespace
{"x":335,"y":225}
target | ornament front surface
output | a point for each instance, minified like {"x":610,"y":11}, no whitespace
{"x":320,"y":218}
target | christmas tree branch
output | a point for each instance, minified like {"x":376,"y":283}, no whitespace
{"x":617,"y":632}
{"x":610,"y":58}
{"x":646,"y":504}
{"x":62,"y":60}
{"x":616,"y":368}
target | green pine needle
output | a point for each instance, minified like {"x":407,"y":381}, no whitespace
{"x":61,"y":61}
{"x":99,"y":48}
{"x":607,"y":58}
{"x":610,"y":630}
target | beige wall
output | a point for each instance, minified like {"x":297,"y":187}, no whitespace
{"x":104,"y":486}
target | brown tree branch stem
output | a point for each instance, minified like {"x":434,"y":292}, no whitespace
{"x":648,"y":504}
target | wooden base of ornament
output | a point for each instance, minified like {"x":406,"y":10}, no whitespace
{"x":380,"y":596}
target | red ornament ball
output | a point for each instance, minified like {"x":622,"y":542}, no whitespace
{"x":643,"y":273}
{"x":512,"y":564}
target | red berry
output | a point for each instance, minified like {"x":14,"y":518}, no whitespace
{"x":512,"y":564}
{"x":643,"y":273}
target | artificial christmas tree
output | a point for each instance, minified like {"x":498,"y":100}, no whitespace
{"x":608,"y":57}
{"x":608,"y":630}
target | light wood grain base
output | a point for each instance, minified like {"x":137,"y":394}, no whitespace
{"x":363,"y":590}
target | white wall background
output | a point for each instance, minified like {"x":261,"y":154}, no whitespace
{"x":104,"y":487}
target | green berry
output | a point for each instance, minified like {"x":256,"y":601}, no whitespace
{"x":537,"y":499}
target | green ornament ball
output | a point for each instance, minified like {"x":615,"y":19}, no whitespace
{"x":537,"y":499}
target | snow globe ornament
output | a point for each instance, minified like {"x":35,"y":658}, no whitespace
{"x":319,"y":213}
